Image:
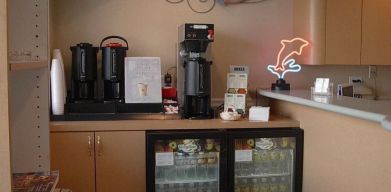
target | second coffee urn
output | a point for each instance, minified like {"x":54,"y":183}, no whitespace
{"x":113,"y":58}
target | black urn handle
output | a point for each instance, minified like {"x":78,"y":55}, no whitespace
{"x":114,"y":37}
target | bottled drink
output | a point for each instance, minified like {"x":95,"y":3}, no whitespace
{"x":201,"y":166}
{"x":159,"y":173}
{"x":211,"y":187}
{"x":240,"y":168}
{"x":283,"y":162}
{"x":275,"y":161}
{"x":236,"y":187}
{"x":180,"y":187}
{"x":284,"y":185}
{"x":265,"y":159}
{"x":274,"y":187}
{"x":200,"y":187}
{"x":244,"y":186}
{"x":160,"y":188}
{"x":237,"y":169}
{"x":257,"y":163}
{"x":244,"y":168}
{"x":264,"y":187}
{"x":185,"y":167}
{"x":214,"y":186}
{"x":247,"y":168}
{"x":171,"y":188}
{"x":191,"y":167}
{"x":179,"y":167}
{"x":166,"y":188}
{"x":212,"y":165}
{"x":191,"y":187}
{"x":254,"y":185}
{"x":169,"y":173}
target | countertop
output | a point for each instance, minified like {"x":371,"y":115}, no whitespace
{"x":143,"y":125}
{"x":377,"y":111}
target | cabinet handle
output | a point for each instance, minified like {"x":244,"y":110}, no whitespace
{"x":89,"y":146}
{"x":99,"y":146}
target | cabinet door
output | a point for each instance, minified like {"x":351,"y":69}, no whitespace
{"x":376,"y":46}
{"x":120,"y":161}
{"x":309,"y":22}
{"x":343,"y":32}
{"x":73,"y":155}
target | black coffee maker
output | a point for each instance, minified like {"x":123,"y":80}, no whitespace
{"x":84,"y":73}
{"x":113,"y":59}
{"x":194,"y":44}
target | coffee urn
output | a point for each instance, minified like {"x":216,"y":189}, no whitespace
{"x":84,"y":73}
{"x":113,"y":58}
{"x":195,"y":65}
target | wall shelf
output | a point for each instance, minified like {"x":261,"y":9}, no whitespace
{"x":27,"y":65}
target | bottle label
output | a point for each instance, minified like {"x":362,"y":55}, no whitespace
{"x":189,"y":146}
{"x":264,"y":143}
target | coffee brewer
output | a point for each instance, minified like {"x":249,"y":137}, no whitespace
{"x":193,"y":63}
{"x":113,"y":58}
{"x":84,"y":73}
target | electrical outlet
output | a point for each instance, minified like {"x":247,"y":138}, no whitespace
{"x":372,"y":71}
{"x":355,"y":79}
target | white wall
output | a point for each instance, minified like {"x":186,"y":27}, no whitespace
{"x":246,"y":34}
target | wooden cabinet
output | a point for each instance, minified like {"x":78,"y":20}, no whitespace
{"x":120,"y":161}
{"x":309,"y":22}
{"x":72,"y":153}
{"x":343,"y":32}
{"x":349,"y":32}
{"x":376,"y":32}
{"x":100,"y":161}
{"x":332,"y":27}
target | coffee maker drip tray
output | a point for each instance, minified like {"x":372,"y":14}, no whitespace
{"x":109,"y":111}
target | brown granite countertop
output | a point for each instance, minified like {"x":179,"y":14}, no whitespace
{"x":143,"y":125}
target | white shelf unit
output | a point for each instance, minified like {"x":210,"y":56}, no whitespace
{"x":29,"y":84}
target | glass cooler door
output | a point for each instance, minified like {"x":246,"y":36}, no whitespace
{"x":263,"y":163}
{"x":186,"y":164}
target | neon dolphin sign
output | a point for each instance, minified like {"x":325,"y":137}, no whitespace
{"x":284,"y":62}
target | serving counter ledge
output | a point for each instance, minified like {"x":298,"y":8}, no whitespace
{"x":371,"y":110}
{"x":144,"y":125}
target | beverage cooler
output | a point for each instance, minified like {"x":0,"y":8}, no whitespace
{"x":266,"y":160}
{"x":251,"y":160}
{"x":188,"y":161}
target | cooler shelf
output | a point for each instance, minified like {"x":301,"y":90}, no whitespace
{"x":28,"y":65}
{"x":186,"y":181}
{"x":263,"y":175}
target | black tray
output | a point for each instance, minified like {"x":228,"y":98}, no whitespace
{"x":107,"y":111}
